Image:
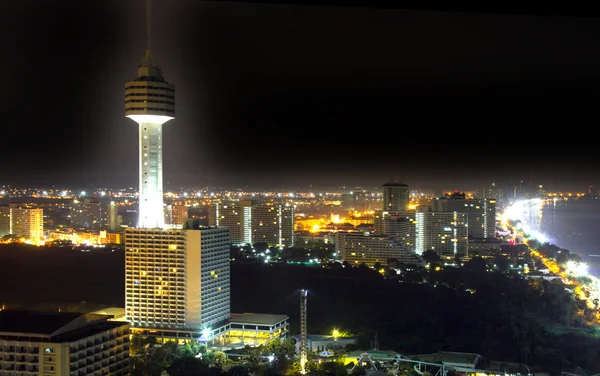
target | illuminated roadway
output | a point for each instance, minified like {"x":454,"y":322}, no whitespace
{"x":586,"y":291}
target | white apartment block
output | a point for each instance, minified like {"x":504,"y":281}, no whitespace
{"x":400,"y":225}
{"x":442,"y":232}
{"x":177,"y":278}
{"x":236,"y":216}
{"x":62,"y":344}
{"x":358,"y":247}
{"x":250,"y":223}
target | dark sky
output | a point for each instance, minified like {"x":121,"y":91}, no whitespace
{"x":274,"y":95}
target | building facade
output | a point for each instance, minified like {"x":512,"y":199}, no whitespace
{"x":395,"y":196}
{"x":445,"y":233}
{"x":399,"y":225}
{"x":22,"y":221}
{"x":177,"y":278}
{"x":62,"y":344}
{"x":250,"y":223}
{"x":481,"y":213}
{"x":357,"y":248}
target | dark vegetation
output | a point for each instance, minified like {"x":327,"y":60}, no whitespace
{"x":500,"y":316}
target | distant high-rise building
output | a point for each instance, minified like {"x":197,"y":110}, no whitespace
{"x":113,"y":218}
{"x":400,"y":226}
{"x":23,"y":221}
{"x":176,"y":214}
{"x":442,"y":232}
{"x":492,"y":192}
{"x":251,"y":223}
{"x":86,"y":213}
{"x":236,"y":216}
{"x":395,"y":196}
{"x":177,"y":278}
{"x":5,"y":220}
{"x":481,"y":213}
{"x":273,"y":225}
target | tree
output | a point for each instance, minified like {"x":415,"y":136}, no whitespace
{"x":187,"y":366}
{"x":237,"y":371}
{"x":432,"y":258}
{"x":476,"y":265}
{"x":358,"y":371}
{"x":333,"y":369}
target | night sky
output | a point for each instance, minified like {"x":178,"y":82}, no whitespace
{"x":274,"y":95}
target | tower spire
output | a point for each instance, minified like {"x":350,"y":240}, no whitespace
{"x":148,"y":25}
{"x":148,"y":61}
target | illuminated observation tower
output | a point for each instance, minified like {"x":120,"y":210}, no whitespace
{"x":150,"y":102}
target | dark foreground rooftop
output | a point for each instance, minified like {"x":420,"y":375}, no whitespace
{"x":54,"y":326}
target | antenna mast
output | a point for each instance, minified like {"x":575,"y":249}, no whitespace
{"x":148,"y":25}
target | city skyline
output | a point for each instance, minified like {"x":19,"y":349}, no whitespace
{"x":264,"y":109}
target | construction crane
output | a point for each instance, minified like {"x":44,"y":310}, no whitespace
{"x":303,"y":331}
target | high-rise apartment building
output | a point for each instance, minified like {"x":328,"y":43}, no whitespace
{"x":86,"y":213}
{"x":177,"y":278}
{"x":251,"y":223}
{"x":23,"y":221}
{"x":442,"y":232}
{"x":400,"y":226}
{"x":179,"y":213}
{"x":481,"y":213}
{"x":113,"y":219}
{"x":273,"y":225}
{"x":237,"y":216}
{"x":395,"y":196}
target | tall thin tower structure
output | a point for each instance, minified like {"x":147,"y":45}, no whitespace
{"x":303,"y":331}
{"x":150,"y":102}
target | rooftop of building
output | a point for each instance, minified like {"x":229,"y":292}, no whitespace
{"x":376,"y":354}
{"x":257,"y":318}
{"x":448,"y":357}
{"x":55,"y":326}
{"x":394,"y":184}
{"x":34,"y":322}
{"x":114,"y":312}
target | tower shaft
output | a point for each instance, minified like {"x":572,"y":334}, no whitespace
{"x":150,"y":208}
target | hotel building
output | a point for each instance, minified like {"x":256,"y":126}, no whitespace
{"x":177,"y":278}
{"x":62,"y":344}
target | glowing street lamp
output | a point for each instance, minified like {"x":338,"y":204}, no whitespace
{"x":335,"y":333}
{"x":206,"y":332}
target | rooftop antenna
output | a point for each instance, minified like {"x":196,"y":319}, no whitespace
{"x":148,"y":25}
{"x":149,"y":58}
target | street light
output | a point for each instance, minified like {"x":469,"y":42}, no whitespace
{"x":335,"y":333}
